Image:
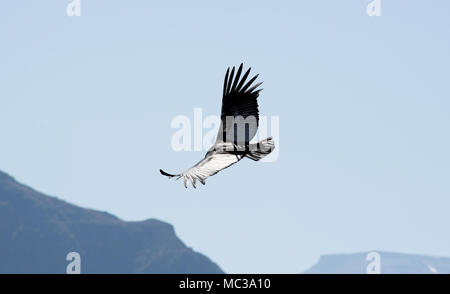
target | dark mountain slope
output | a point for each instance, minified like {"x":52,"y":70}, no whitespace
{"x":38,"y":231}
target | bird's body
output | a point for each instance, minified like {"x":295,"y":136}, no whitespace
{"x":239,"y":124}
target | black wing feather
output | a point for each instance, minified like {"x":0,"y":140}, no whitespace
{"x":225,"y":82}
{"x":167,"y":174}
{"x":236,"y":79}
{"x":249,"y":83}
{"x":238,"y":88}
{"x":229,"y":82}
{"x":239,"y":100}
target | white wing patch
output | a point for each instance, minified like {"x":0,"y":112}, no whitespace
{"x":207,"y":167}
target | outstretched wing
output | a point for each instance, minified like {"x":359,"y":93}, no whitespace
{"x":239,"y":113}
{"x":208,"y":166}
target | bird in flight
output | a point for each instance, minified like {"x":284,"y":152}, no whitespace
{"x":239,"y":124}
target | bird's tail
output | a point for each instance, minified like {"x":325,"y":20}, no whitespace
{"x":261,"y":149}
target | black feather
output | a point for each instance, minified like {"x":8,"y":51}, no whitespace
{"x":167,"y":174}
{"x":238,"y":88}
{"x":225,"y":82}
{"x":229,"y":81}
{"x":236,"y":79}
{"x":249,"y":83}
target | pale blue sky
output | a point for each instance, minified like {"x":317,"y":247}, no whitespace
{"x":364,"y":105}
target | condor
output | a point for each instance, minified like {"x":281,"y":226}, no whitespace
{"x":239,"y":124}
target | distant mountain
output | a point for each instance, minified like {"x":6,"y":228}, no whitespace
{"x":37,"y":232}
{"x":389,"y":263}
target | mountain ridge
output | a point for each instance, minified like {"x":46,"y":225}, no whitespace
{"x":388,"y":263}
{"x":38,"y":230}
